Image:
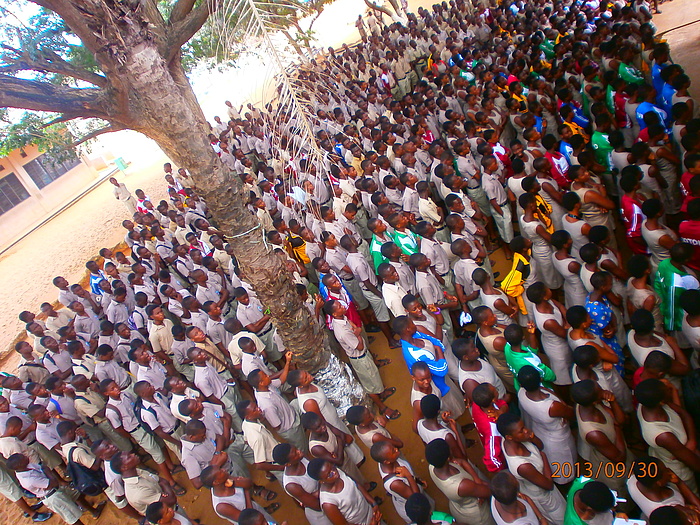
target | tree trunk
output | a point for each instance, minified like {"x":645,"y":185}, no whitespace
{"x":167,"y":111}
{"x":170,"y":115}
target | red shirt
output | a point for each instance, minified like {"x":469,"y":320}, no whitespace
{"x":689,"y":232}
{"x":621,"y":117}
{"x":685,"y":183}
{"x":560,"y":167}
{"x":636,"y":379}
{"x":643,"y":135}
{"x":494,"y":460}
{"x":631,"y":210}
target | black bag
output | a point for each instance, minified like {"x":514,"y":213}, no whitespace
{"x":138,"y":407}
{"x":86,"y":481}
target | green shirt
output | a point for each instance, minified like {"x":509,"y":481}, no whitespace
{"x":517,"y":360}
{"x":610,"y":98}
{"x":547,"y":47}
{"x":441,"y":517}
{"x":630,"y":74}
{"x":375,"y":248}
{"x":602,"y":149}
{"x":670,"y":283}
{"x":407,"y":241}
{"x":571,"y":517}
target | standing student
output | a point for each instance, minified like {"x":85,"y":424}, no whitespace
{"x":519,"y":353}
{"x":342,"y":499}
{"x":123,"y":195}
{"x":459,"y":481}
{"x":213,"y":385}
{"x":141,"y":488}
{"x":548,"y":416}
{"x":601,"y":439}
{"x":13,"y":492}
{"x":278,"y":412}
{"x":44,"y":484}
{"x":350,"y":338}
{"x":509,"y":505}
{"x":498,"y":200}
{"x":526,"y":460}
{"x":397,"y":475}
{"x":667,"y":429}
{"x":313,"y":399}
{"x":120,"y":412}
{"x":550,"y":319}
{"x":298,"y":484}
{"x":155,"y":413}
{"x":672,"y":279}
{"x":232,"y":495}
{"x":569,"y":268}
{"x":330,"y":443}
{"x":369,"y":285}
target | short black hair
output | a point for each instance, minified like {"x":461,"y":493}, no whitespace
{"x":597,"y":496}
{"x":650,"y":393}
{"x":437,"y":452}
{"x":506,"y":422}
{"x":584,"y":392}
{"x":529,"y":378}
{"x":418,"y":508}
{"x":430,"y":406}
{"x":313,"y":469}
{"x":586,"y":356}
{"x":576,"y":316}
{"x":667,"y":515}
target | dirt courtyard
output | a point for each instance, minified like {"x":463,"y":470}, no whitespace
{"x":62,"y":246}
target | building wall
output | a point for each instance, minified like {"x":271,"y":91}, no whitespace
{"x":42,"y":201}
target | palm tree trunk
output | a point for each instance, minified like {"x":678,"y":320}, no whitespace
{"x":167,"y":112}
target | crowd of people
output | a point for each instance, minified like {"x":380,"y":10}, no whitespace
{"x":558,"y":136}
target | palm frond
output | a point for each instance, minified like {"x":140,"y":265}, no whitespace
{"x":258,"y":28}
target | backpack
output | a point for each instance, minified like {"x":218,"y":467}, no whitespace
{"x":138,"y":407}
{"x":86,"y":481}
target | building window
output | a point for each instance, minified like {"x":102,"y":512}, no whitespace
{"x":43,"y":170}
{"x":11,"y":192}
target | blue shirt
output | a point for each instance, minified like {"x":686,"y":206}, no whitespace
{"x":667,"y":93}
{"x":579,"y":117}
{"x":95,"y":282}
{"x":438,"y":367}
{"x":646,"y":107}
{"x":566,"y":150}
{"x":656,"y":79}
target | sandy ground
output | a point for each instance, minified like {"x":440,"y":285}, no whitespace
{"x":62,"y":246}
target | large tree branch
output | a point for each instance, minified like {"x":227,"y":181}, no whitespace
{"x":58,"y":120}
{"x":384,"y":10}
{"x":62,"y":67}
{"x":101,"y":131}
{"x":156,"y":22}
{"x":73,"y":19}
{"x":180,"y":32}
{"x":43,"y":96}
{"x":49,"y":62}
{"x":180,"y":10}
